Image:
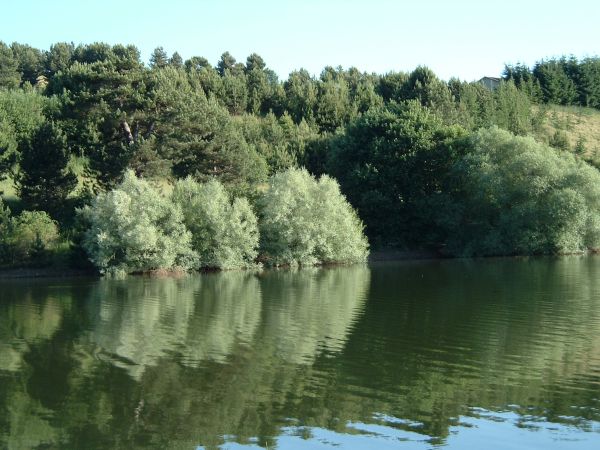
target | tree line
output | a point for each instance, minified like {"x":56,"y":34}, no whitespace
{"x":405,"y":148}
{"x":562,"y":81}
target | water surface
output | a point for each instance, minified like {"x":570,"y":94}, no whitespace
{"x":462,"y":354}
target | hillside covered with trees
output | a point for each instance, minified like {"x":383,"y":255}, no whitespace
{"x":194,"y":165}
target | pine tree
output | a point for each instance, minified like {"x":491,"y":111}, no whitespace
{"x":197,"y":63}
{"x":226,"y":63}
{"x":589,"y":82}
{"x":30,"y":61}
{"x":580,"y":146}
{"x":45,"y":181}
{"x":9,"y":74}
{"x":255,"y":61}
{"x":159,"y":58}
{"x":176,"y":60}
{"x":59,"y":57}
{"x":555,"y":84}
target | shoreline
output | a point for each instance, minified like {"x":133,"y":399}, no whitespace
{"x":65,"y":272}
{"x":374,"y":257}
{"x":403,"y":255}
{"x":45,"y":272}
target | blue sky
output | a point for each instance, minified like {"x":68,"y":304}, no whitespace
{"x":468,"y":39}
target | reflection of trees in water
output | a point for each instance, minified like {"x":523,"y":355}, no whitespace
{"x":311,"y":311}
{"x":481,"y":332}
{"x":35,"y":316}
{"x":31,"y":314}
{"x":28,"y":427}
{"x":137,"y":321}
{"x":140,"y":320}
{"x":434,"y":338}
{"x":250,"y":395}
{"x":148,"y":368}
{"x":228,"y":307}
{"x":134,"y":321}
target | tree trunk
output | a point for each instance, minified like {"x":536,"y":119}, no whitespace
{"x":127,"y":131}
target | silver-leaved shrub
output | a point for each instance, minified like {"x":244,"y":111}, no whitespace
{"x":305,"y":221}
{"x":224,"y":232}
{"x":134,"y":228}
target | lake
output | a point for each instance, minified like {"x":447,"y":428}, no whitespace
{"x":456,"y":354}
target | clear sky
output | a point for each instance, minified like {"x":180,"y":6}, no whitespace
{"x":463,"y":38}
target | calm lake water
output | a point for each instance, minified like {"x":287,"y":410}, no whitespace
{"x":477,"y":354}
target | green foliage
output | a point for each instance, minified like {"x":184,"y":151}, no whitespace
{"x":260,"y":85}
{"x":476,"y":106}
{"x":280,"y":141}
{"x":235,"y":92}
{"x":560,"y":140}
{"x":44,"y":181}
{"x":4,"y":215}
{"x":301,"y":93}
{"x":134,"y":228}
{"x":30,"y":62}
{"x":362,"y":88}
{"x":226,"y":64}
{"x":512,"y":109}
{"x":588,"y":77}
{"x":524,"y":79}
{"x":423,"y":85}
{"x":224,"y":233}
{"x":516,"y":196}
{"x":147,"y":160}
{"x":8,"y":146}
{"x":176,"y":60}
{"x":21,"y":114}
{"x":202,"y":141}
{"x":159,"y":58}
{"x":210,"y":82}
{"x":27,"y":237}
{"x":304,"y":221}
{"x":392,"y":140}
{"x":59,"y":57}
{"x":561,"y":81}
{"x":391,"y":86}
{"x":334,"y":108}
{"x":557,"y":87}
{"x":580,"y":146}
{"x":4,"y":228}
{"x":392,"y":163}
{"x":102,"y":111}
{"x":255,"y":62}
{"x":10,"y":78}
{"x":196,"y":63}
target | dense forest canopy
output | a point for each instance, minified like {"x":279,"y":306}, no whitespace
{"x":412,"y":154}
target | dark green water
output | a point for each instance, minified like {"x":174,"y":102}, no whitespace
{"x":484,"y":354}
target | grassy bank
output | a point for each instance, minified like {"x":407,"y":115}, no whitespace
{"x":579,"y":126}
